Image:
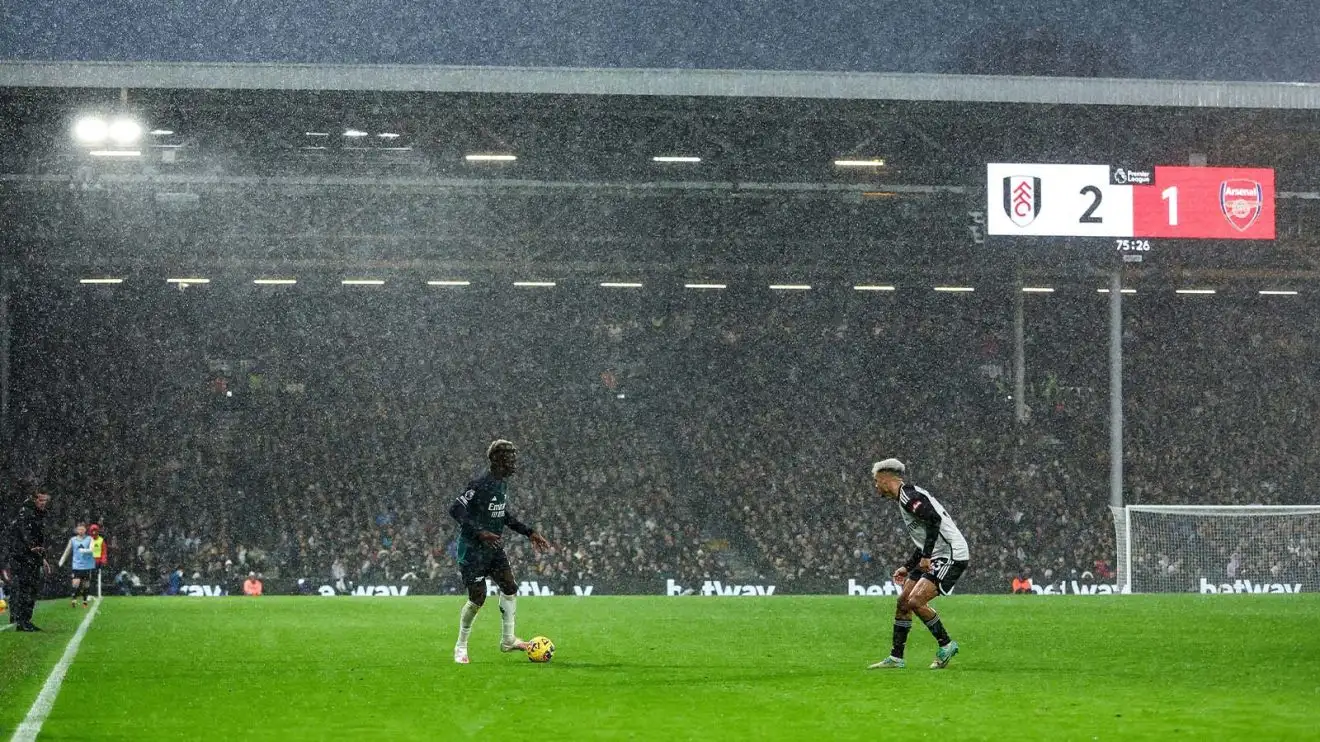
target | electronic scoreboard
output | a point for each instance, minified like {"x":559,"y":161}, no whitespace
{"x":1130,"y":206}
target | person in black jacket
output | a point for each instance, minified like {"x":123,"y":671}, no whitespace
{"x":27,"y":559}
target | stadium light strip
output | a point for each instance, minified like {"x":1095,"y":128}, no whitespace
{"x":161,"y":132}
{"x":100,"y":280}
{"x":318,"y":133}
{"x":614,"y":285}
{"x":115,"y":153}
{"x":955,"y":289}
{"x":674,"y":158}
{"x":534,"y":284}
{"x":187,"y":281}
{"x":362,"y":282}
{"x":790,"y":287}
{"x":448,"y":283}
{"x":388,"y":135}
{"x":860,"y":163}
{"x":866,"y":287}
{"x":354,"y":133}
{"x":705,"y":285}
{"x":274,"y":281}
{"x":490,"y":158}
{"x":1037,"y":290}
{"x":1121,"y":291}
{"x":1193,"y":291}
{"x":1274,"y":292}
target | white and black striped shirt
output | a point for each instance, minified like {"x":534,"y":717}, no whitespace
{"x":931,"y":527}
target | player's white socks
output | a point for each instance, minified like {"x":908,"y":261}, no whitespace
{"x":465,"y":619}
{"x":508,"y":605}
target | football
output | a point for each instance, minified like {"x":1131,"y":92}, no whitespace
{"x":540,"y":649}
{"x":3,"y":605}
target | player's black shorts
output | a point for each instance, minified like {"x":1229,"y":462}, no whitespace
{"x":481,"y":563}
{"x":944,"y":572}
{"x":84,"y":574}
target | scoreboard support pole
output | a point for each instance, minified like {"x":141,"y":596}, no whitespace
{"x":1019,"y":356}
{"x":1116,"y":388}
{"x":6,"y":331}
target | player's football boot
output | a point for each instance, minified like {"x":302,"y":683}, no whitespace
{"x":888,"y":663}
{"x":517,"y":645}
{"x":943,"y":656}
{"x":460,"y":655}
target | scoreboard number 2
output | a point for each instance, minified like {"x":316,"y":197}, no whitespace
{"x":1088,"y":216}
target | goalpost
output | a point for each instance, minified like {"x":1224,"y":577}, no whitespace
{"x":1218,"y":548}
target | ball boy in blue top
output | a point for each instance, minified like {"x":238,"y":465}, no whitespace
{"x":84,"y":564}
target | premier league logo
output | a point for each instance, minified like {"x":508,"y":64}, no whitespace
{"x":1022,"y":199}
{"x":1240,"y":200}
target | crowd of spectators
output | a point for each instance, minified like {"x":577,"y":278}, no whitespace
{"x":696,"y":436}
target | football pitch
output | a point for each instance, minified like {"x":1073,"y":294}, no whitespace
{"x":1031,"y":667}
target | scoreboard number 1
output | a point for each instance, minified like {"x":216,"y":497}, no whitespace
{"x":1167,"y":202}
{"x":1170,"y":194}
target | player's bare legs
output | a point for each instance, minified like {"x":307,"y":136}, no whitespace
{"x":476,"y":599}
{"x":509,"y":642}
{"x":918,"y":598}
{"x":918,"y":602}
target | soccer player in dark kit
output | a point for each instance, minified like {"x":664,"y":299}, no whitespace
{"x":482,"y":512}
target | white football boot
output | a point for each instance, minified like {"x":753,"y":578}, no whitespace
{"x":517,"y":645}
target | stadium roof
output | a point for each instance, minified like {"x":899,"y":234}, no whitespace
{"x":368,"y":165}
{"x":662,"y":82}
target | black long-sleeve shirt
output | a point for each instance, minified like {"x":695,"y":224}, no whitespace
{"x":27,"y":532}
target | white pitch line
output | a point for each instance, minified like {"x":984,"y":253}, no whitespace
{"x":36,"y":716}
{"x":6,"y":627}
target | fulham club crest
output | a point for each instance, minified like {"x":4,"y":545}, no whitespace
{"x":1022,"y":199}
{"x":1240,"y":200}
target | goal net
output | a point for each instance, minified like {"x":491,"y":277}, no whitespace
{"x":1218,"y":548}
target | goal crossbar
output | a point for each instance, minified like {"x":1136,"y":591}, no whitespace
{"x":1226,"y":509}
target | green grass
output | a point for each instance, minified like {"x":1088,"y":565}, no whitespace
{"x":1074,"y":668}
{"x":26,"y":660}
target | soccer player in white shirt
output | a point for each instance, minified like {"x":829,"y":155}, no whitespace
{"x":934,"y":567}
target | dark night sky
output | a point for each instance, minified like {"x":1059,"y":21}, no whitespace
{"x":1193,"y":39}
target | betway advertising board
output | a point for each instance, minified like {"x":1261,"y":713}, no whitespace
{"x":701,"y":587}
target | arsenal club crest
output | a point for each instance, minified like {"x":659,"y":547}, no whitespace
{"x":1240,"y":200}
{"x":1022,"y":199}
